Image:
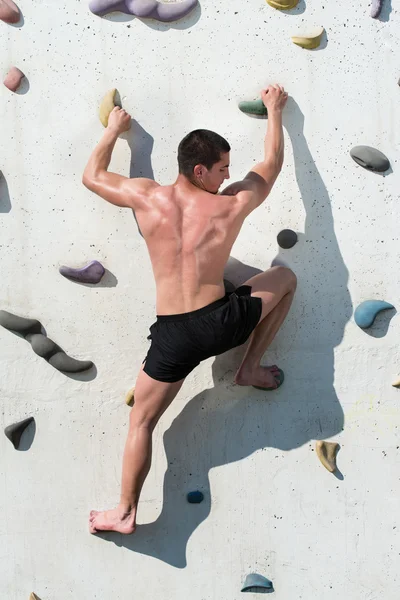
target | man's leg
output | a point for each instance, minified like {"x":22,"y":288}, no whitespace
{"x":276,"y":288}
{"x":152,"y":398}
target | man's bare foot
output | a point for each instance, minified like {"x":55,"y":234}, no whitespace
{"x":119,"y":519}
{"x":260,"y":376}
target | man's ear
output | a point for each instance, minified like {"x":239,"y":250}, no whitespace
{"x":198,"y":170}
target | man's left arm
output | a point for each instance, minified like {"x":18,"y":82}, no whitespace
{"x":117,"y":189}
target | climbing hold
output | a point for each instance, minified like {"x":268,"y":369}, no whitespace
{"x":31,"y":330}
{"x":33,"y":596}
{"x":195,"y":497}
{"x":254,"y":581}
{"x":15,"y":431}
{"x":107,"y":105}
{"x":149,"y":9}
{"x":326,"y":452}
{"x":13,"y":79}
{"x":370,"y":158}
{"x":9,"y":12}
{"x":396,"y":383}
{"x":91,"y":273}
{"x":287,"y":238}
{"x":253,"y":107}
{"x":130,"y":397}
{"x":311,"y":40}
{"x":19,"y":324}
{"x":282,"y":4}
{"x":365,"y":313}
{"x":376,"y":8}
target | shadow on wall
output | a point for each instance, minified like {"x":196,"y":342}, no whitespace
{"x":141,"y":146}
{"x":5,"y":202}
{"x":227,"y":423}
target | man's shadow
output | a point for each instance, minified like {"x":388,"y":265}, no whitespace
{"x":141,"y":146}
{"x":227,"y":423}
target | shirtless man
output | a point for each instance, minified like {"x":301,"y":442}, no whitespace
{"x":189,"y":231}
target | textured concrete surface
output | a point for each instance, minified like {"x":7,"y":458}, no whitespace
{"x":269,"y":506}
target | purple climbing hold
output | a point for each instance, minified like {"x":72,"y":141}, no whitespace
{"x":376,"y":8}
{"x":144,"y":9}
{"x":91,"y":273}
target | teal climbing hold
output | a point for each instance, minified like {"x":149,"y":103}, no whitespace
{"x":365,"y":313}
{"x":255,"y":582}
{"x":195,"y":497}
{"x":253,"y":107}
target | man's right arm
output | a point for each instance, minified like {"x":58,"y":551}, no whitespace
{"x":257,"y":184}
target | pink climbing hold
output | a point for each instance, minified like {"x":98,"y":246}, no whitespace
{"x":144,"y":9}
{"x":376,"y":8}
{"x":9,"y":11}
{"x":13,"y":79}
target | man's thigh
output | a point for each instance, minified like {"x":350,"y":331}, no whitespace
{"x":153,"y":397}
{"x":271,"y":286}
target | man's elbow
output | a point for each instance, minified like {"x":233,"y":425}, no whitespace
{"x":89,"y":180}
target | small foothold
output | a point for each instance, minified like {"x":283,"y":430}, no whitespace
{"x":15,"y":431}
{"x":326,"y":452}
{"x":365,"y":313}
{"x":376,"y":8}
{"x":370,"y":158}
{"x":13,"y":79}
{"x":107,"y":105}
{"x":33,"y":596}
{"x":9,"y":12}
{"x":195,"y":497}
{"x":282,"y":4}
{"x":311,"y":40}
{"x":148,"y":9}
{"x":19,"y":324}
{"x":254,"y":581}
{"x":396,"y":383}
{"x":253,"y":107}
{"x":229,"y":287}
{"x":287,"y":238}
{"x":130,"y":397}
{"x":91,"y":273}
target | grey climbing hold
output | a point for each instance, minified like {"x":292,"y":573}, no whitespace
{"x":370,"y":158}
{"x":254,"y":582}
{"x":19,"y":324}
{"x":15,"y":431}
{"x":365,"y":313}
{"x":91,"y":273}
{"x":31,"y":330}
{"x":376,"y":8}
{"x":195,"y":497}
{"x":287,"y":238}
{"x":253,"y":107}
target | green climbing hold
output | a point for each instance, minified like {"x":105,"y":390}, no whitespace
{"x":253,"y":107}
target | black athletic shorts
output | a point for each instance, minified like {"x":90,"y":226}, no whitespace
{"x":180,"y":342}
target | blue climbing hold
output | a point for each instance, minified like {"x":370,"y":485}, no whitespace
{"x":195,"y":497}
{"x":365,"y":313}
{"x":255,"y":582}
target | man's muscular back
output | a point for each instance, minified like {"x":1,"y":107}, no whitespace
{"x":189,"y":234}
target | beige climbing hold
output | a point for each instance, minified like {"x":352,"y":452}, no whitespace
{"x":33,"y":596}
{"x":130,"y":397}
{"x":326,"y":452}
{"x":106,"y":106}
{"x":282,"y":4}
{"x":396,"y":383}
{"x":311,"y":40}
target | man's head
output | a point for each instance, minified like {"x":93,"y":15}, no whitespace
{"x":203,"y":157}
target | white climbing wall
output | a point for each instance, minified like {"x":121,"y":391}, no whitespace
{"x":270,"y":506}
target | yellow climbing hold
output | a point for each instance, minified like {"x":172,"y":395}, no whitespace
{"x":282,"y":4}
{"x":311,"y":40}
{"x":326,"y":452}
{"x":130,"y":397}
{"x":396,"y":383}
{"x":106,"y":106}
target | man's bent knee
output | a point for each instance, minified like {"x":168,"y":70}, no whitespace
{"x":286,"y":275}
